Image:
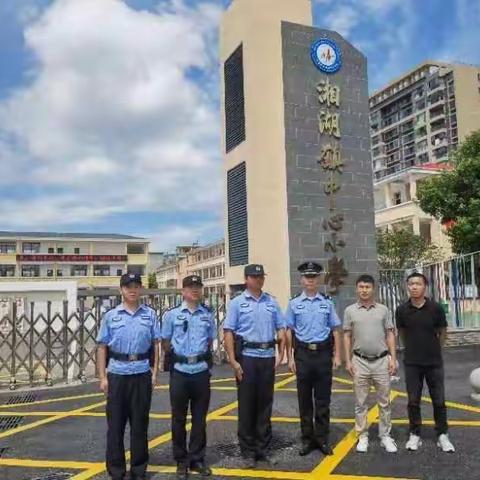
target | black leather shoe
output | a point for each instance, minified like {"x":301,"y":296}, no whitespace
{"x":201,"y":469}
{"x":182,"y":471}
{"x":306,"y":448}
{"x":325,"y":448}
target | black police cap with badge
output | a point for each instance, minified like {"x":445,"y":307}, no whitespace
{"x":254,"y":270}
{"x":310,"y":269}
{"x":128,"y":278}
{"x":192,"y":281}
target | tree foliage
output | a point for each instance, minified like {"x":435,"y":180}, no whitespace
{"x":152,"y":281}
{"x":401,"y":249}
{"x":453,"y":197}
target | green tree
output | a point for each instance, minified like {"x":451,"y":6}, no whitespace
{"x":453,"y":197}
{"x":401,"y":249}
{"x":152,"y":281}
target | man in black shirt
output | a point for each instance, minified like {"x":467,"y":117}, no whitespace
{"x":422,"y":326}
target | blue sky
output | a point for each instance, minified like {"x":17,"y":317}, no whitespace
{"x":108,"y":127}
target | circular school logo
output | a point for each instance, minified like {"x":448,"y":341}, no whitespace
{"x":326,"y":55}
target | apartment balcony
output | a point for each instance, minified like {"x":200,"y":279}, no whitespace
{"x":437,"y":114}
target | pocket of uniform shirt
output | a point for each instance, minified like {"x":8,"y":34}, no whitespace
{"x":117,"y":322}
{"x":145,"y":322}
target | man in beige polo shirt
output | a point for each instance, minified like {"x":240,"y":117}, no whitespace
{"x":369,"y":326}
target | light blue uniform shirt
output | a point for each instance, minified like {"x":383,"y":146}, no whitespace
{"x":256,"y":320}
{"x":124,"y":332}
{"x":311,"y":318}
{"x":200,"y":331}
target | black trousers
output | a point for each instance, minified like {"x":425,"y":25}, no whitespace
{"x":129,"y":399}
{"x":434,"y":377}
{"x":255,"y":399}
{"x":193,"y":390}
{"x":314,"y":386}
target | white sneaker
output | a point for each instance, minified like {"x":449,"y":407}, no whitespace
{"x":388,"y":443}
{"x":362,"y":445}
{"x":413,"y":443}
{"x":445,"y":444}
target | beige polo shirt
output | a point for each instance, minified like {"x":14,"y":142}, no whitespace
{"x":369,"y":326}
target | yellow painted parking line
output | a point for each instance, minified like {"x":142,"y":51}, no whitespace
{"x":38,"y":423}
{"x":329,"y":463}
{"x":364,"y":477}
{"x":345,"y":381}
{"x":166,"y":437}
{"x":458,"y":406}
{"x":238,"y":472}
{"x":334,"y":390}
{"x":72,"y":465}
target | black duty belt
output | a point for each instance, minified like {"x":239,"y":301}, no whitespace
{"x":314,"y":347}
{"x":191,"y":359}
{"x":129,"y":357}
{"x":260,"y":345}
{"x":371,"y":358}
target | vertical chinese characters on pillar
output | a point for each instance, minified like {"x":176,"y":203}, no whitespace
{"x":329,"y":97}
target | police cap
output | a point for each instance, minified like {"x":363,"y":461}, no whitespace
{"x":310,"y":268}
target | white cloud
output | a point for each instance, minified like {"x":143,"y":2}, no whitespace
{"x":342,"y":20}
{"x":112,"y":114}
{"x":167,"y":238}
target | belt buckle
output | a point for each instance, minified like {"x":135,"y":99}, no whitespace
{"x":264,"y":346}
{"x":312,"y":347}
{"x":191,"y":360}
{"x":133,"y":357}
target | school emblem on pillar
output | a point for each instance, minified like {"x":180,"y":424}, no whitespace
{"x":326,"y":55}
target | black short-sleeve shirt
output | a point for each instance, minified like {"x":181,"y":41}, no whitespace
{"x":421,"y":328}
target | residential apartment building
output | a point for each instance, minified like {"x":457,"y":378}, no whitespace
{"x":417,"y":122}
{"x":209,"y":263}
{"x":92,"y":260}
{"x":206,"y":261}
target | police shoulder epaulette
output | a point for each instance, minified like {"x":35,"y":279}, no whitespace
{"x":206,"y":307}
{"x":295,"y":296}
{"x":327,"y":297}
{"x":171,"y":308}
{"x":270,"y":295}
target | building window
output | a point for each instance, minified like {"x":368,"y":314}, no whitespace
{"x":49,"y":273}
{"x":234,"y":100}
{"x":101,"y":270}
{"x":30,"y":270}
{"x":237,"y":215}
{"x":51,"y":250}
{"x":78,"y":271}
{"x":119,"y":272}
{"x":59,"y":273}
{"x":136,"y":269}
{"x":29,"y":247}
{"x":397,"y":198}
{"x":7,"y":270}
{"x":135,"y":249}
{"x":76,"y":250}
{"x":8,"y":247}
{"x":60,"y":250}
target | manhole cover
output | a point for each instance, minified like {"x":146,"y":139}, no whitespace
{"x":7,"y":423}
{"x":26,"y":398}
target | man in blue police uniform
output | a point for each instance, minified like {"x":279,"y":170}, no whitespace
{"x":253,"y":319}
{"x":314,"y":336}
{"x":128,"y":342}
{"x":187,"y":333}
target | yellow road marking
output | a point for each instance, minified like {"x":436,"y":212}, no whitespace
{"x":341,"y":450}
{"x":166,"y":437}
{"x":20,"y":462}
{"x":363,"y":477}
{"x":50,"y":419}
{"x":334,"y":390}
